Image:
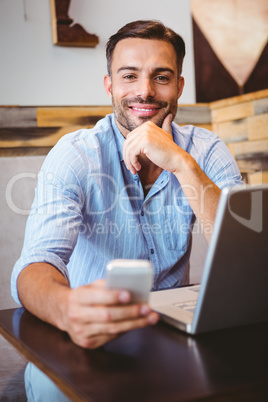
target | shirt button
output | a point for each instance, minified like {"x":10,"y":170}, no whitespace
{"x":142,"y":213}
{"x":152,"y":251}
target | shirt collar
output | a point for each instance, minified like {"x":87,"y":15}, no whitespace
{"x":119,"y":138}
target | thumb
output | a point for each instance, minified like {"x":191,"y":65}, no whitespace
{"x":167,"y":123}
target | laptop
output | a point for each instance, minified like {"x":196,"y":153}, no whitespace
{"x":234,"y":285}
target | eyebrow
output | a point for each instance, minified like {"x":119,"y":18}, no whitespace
{"x":156,"y":70}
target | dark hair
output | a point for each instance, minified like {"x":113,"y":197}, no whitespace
{"x":146,"y":29}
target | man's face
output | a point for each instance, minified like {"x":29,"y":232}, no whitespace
{"x":144,"y":84}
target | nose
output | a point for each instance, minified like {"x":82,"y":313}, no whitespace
{"x":146,"y":88}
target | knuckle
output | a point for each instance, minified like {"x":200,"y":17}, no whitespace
{"x":150,"y":123}
{"x":72,"y":315}
{"x":136,"y":311}
{"x":106,"y":315}
{"x":86,"y":343}
{"x":91,"y":343}
{"x":70,"y":299}
{"x":77,"y":332}
{"x":146,"y":138}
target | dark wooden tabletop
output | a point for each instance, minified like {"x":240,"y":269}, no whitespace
{"x":153,"y":364}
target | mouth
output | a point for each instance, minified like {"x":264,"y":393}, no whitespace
{"x":144,"y":110}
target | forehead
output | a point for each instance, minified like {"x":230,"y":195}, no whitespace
{"x":144,"y":53}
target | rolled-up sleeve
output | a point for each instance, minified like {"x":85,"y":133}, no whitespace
{"x":53,"y":224}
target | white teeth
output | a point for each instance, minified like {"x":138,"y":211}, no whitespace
{"x":143,"y":110}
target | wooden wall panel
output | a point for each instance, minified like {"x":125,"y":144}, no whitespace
{"x":241,"y":122}
{"x":71,"y":115}
{"x":17,"y":117}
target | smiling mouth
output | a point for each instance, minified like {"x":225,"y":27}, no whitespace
{"x":140,"y":105}
{"x":142,"y":109}
{"x":144,"y":112}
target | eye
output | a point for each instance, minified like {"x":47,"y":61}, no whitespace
{"x":162,"y":78}
{"x":129,"y":77}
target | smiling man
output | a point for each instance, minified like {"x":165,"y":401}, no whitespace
{"x":145,"y":88}
{"x":131,"y":187}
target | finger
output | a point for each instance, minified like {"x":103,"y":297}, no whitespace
{"x":167,"y":123}
{"x":95,"y":295}
{"x":100,"y":283}
{"x":94,"y":342}
{"x":135,"y":165}
{"x":132,"y":163}
{"x":123,"y":326}
{"x":117,"y":327}
{"x":114,"y":313}
{"x":131,"y":155}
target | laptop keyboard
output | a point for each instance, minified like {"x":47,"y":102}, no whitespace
{"x":187,"y":306}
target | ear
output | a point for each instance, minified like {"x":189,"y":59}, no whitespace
{"x":108,"y":85}
{"x":180,"y":86}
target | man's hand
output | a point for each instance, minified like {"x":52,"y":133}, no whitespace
{"x":95,"y":315}
{"x":156,"y":143}
{"x":91,"y":314}
{"x":158,"y":146}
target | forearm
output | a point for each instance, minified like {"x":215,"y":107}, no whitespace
{"x":201,"y":193}
{"x":44,"y":292}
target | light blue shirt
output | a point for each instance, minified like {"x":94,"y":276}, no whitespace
{"x":89,"y":209}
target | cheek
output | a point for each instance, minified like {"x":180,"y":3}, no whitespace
{"x":123,"y":89}
{"x":119,"y":94}
{"x":168,"y":92}
{"x":173,"y":92}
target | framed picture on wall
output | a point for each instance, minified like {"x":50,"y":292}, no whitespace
{"x":230,"y":47}
{"x":64,"y":32}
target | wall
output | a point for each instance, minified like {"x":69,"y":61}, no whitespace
{"x":242,"y":123}
{"x":35,"y":72}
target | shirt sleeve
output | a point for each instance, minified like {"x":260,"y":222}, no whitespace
{"x":56,"y":213}
{"x":221,"y":167}
{"x":210,"y":152}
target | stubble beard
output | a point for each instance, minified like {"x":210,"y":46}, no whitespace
{"x":121,"y":112}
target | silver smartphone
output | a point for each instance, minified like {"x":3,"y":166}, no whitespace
{"x":136,"y":276}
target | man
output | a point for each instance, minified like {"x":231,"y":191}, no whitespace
{"x":129,"y":188}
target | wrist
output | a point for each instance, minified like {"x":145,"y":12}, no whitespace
{"x":64,"y":300}
{"x":184,"y":165}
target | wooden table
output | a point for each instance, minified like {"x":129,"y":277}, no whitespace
{"x":152,"y":364}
